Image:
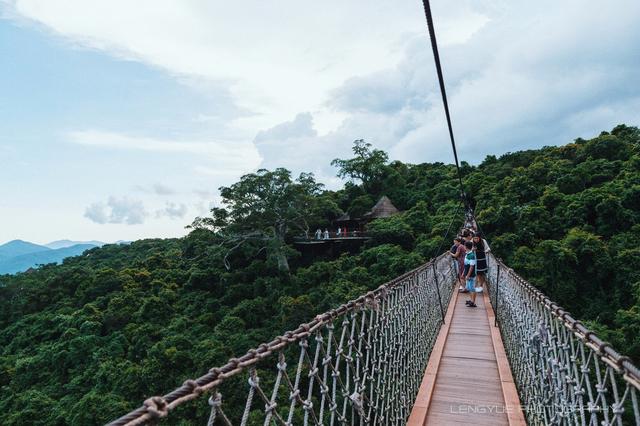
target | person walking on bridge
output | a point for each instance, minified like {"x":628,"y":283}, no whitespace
{"x":470,"y":273}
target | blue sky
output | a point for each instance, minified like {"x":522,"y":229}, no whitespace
{"x":119,"y":120}
{"x":51,"y":90}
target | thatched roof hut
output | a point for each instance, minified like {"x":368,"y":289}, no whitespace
{"x":383,"y":208}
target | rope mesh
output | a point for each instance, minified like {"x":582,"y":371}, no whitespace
{"x":564,"y":373}
{"x":359,"y":364}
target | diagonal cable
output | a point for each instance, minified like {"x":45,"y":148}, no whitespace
{"x":443,"y":90}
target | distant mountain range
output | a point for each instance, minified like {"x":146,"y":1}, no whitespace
{"x":18,"y":255}
{"x":68,"y":243}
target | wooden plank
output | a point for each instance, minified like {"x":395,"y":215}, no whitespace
{"x":463,"y":381}
{"x":483,"y":369}
{"x":480,"y":340}
{"x":464,"y":353}
{"x":472,"y":340}
{"x":475,"y":407}
{"x":472,"y":330}
{"x":449,"y":420}
{"x":457,"y":395}
{"x":464,"y":419}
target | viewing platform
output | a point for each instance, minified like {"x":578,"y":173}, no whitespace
{"x":334,"y":237}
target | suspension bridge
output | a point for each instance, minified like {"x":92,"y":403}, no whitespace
{"x":410,"y":352}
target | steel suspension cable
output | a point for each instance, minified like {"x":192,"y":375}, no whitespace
{"x":443,"y":91}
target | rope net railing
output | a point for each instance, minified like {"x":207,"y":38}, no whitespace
{"x":361,"y":363}
{"x":565,"y":374}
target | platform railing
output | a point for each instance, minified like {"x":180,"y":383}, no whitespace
{"x":361,"y":363}
{"x":564,"y":373}
{"x":333,"y":235}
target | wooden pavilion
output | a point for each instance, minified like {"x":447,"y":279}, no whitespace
{"x":383,"y":208}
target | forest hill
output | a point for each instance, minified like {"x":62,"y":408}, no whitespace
{"x":84,"y":341}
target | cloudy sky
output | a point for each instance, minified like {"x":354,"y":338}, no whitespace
{"x":120,"y":119}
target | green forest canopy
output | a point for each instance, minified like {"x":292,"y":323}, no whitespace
{"x":88,"y":340}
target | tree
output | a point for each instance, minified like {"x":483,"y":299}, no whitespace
{"x":391,"y":230}
{"x":368,"y":165}
{"x":262,"y":207}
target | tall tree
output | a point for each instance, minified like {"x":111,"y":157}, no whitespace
{"x":263,"y":207}
{"x":368,"y":165}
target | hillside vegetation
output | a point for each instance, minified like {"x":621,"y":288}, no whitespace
{"x":84,"y":342}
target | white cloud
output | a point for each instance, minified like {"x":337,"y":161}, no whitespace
{"x":228,"y":157}
{"x":205,"y":194}
{"x":119,"y":141}
{"x":172,"y":211}
{"x":97,"y":212}
{"x":310,"y":77}
{"x":303,"y":150}
{"x":207,"y":199}
{"x":203,"y":208}
{"x":156,"y":188}
{"x":117,"y":210}
{"x":277,"y":59}
{"x":301,"y":126}
{"x":525,"y":79}
{"x":221,"y":172}
{"x":161,"y":189}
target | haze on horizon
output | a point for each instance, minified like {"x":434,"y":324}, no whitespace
{"x":120,"y":120}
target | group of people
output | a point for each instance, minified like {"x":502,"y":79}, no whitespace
{"x":469,"y":254}
{"x":322,"y":235}
{"x":340,"y":232}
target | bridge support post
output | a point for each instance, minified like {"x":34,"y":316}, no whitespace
{"x":435,"y":277}
{"x":495,"y":321}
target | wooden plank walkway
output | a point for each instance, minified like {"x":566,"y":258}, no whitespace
{"x":468,"y":380}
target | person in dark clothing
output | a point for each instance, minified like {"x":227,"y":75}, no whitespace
{"x":453,"y":251}
{"x":454,"y":247}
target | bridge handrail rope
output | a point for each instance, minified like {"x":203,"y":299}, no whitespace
{"x":564,"y":372}
{"x":374,"y":348}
